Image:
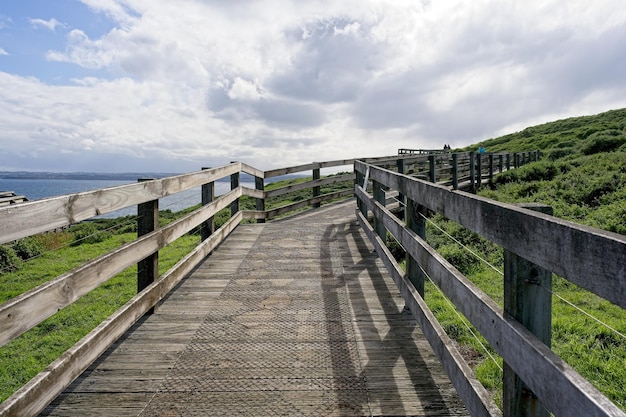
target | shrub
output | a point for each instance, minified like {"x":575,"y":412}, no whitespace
{"x":88,"y":233}
{"x":395,"y":248}
{"x":554,"y":154}
{"x":28,"y":248}
{"x":462,"y":259}
{"x":605,"y":141}
{"x":9,"y":261}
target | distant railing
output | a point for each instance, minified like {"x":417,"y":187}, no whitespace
{"x":461,"y":170}
{"x":536,"y":245}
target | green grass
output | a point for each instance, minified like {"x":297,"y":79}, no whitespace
{"x":52,"y":254}
{"x":582,"y":176}
{"x":29,"y":354}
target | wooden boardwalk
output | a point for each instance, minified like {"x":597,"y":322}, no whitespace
{"x":294,"y":317}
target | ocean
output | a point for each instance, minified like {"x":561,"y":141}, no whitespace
{"x":37,"y":189}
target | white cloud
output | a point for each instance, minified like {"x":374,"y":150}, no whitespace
{"x":279,"y":82}
{"x":51,"y":24}
{"x":3,"y":51}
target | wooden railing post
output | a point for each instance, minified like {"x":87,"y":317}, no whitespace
{"x":379,"y":195}
{"x":360,"y":180}
{"x":147,"y":222}
{"x":490,"y":168}
{"x":431,"y":165}
{"x":508,"y":161}
{"x":316,"y":190}
{"x":234,"y":183}
{"x":472,"y":161}
{"x":259,"y":184}
{"x":479,"y":170}
{"x":527,"y":299}
{"x":401,"y":198}
{"x":455,"y":171}
{"x":500,"y":163}
{"x":208,"y":195}
{"x":416,"y":222}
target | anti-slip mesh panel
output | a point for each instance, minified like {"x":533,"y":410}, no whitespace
{"x":278,"y":341}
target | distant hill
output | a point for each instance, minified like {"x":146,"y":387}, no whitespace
{"x":568,"y":136}
{"x":582,"y":173}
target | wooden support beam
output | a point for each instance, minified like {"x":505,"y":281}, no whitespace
{"x":208,"y":195}
{"x":527,"y":299}
{"x":147,"y":222}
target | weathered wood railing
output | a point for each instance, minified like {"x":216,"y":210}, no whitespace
{"x":460,"y":170}
{"x":535,"y":245}
{"x":18,"y":221}
{"x":22,"y":313}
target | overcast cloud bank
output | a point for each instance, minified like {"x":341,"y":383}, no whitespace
{"x":174,"y":86}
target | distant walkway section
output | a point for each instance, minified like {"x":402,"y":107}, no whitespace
{"x":292,"y":317}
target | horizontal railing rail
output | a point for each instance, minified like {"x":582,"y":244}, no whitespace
{"x":30,"y":218}
{"x":570,"y":250}
{"x":27,"y":219}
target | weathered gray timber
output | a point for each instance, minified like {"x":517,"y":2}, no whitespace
{"x":293,"y":317}
{"x":573,"y":251}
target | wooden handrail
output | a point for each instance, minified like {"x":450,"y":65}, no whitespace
{"x":568,"y":249}
{"x":34,"y":306}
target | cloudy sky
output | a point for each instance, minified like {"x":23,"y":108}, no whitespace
{"x":172,"y":86}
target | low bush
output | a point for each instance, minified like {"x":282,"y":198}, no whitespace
{"x":605,"y":141}
{"x":88,"y":233}
{"x":9,"y":261}
{"x":28,"y":248}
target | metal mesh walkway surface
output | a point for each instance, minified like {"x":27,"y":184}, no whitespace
{"x":294,"y":317}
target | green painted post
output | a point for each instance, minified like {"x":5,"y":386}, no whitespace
{"x":416,"y":222}
{"x":207,"y":196}
{"x":527,"y":299}
{"x":360,"y":178}
{"x":455,"y":171}
{"x":316,"y":189}
{"x":479,"y":170}
{"x":431,"y":165}
{"x":472,"y":179}
{"x":379,"y":195}
{"x":259,"y":184}
{"x":401,"y":198}
{"x":234,"y":183}
{"x":147,"y":222}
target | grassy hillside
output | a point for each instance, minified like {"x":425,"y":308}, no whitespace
{"x":582,"y":175}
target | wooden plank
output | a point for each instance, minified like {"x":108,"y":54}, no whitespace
{"x":309,"y":184}
{"x":21,"y":220}
{"x":568,"y":249}
{"x":305,"y":203}
{"x":43,"y":388}
{"x":34,"y":306}
{"x":474,"y":395}
{"x":532,"y":360}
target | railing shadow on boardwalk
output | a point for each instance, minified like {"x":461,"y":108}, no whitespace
{"x":529,"y":358}
{"x":398,"y":344}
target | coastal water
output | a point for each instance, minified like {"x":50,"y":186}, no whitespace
{"x":37,"y":189}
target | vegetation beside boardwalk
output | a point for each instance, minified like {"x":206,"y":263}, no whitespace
{"x":32,"y":261}
{"x":582,"y":175}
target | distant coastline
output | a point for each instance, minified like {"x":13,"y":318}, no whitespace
{"x":109,"y":176}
